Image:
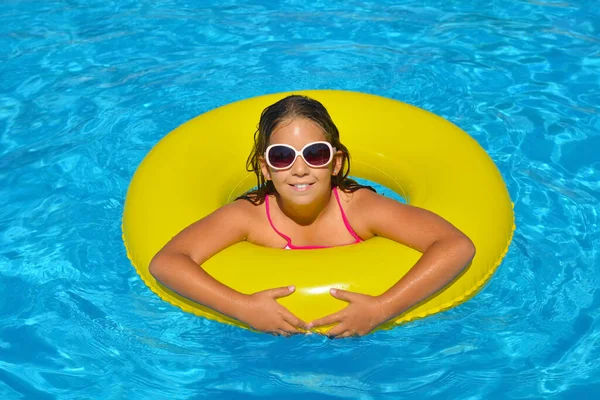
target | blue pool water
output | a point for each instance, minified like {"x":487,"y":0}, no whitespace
{"x":88,"y":87}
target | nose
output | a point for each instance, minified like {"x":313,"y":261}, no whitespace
{"x":300,"y":167}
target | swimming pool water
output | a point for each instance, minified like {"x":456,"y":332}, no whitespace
{"x":88,"y":87}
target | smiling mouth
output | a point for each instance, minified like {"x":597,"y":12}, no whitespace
{"x":302,"y":186}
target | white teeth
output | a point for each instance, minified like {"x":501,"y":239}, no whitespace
{"x":304,"y":185}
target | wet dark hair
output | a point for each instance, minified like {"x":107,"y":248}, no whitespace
{"x":295,"y":106}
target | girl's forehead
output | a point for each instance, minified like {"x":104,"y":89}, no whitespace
{"x":297,"y":132}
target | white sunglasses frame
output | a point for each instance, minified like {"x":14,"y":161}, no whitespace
{"x":332,"y":151}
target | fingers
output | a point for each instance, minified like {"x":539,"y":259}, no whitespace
{"x":280,"y":332}
{"x":280,"y":292}
{"x":290,"y":329}
{"x":336,"y":331}
{"x":286,"y":330}
{"x":343,"y":294}
{"x":326,"y":320}
{"x":290,"y":318}
{"x":294,"y":321}
{"x":340,"y":332}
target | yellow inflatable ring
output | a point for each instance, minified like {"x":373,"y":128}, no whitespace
{"x":429,"y":161}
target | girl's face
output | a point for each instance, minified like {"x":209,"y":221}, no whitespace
{"x":300,"y":183}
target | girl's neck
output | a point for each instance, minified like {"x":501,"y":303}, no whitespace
{"x":304,"y":214}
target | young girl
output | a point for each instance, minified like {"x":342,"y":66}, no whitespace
{"x":305,"y":200}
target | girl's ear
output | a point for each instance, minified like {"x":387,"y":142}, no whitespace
{"x":264,"y":168}
{"x":337,"y":162}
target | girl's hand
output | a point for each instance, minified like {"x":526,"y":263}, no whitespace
{"x":265,"y":314}
{"x":363,"y":314}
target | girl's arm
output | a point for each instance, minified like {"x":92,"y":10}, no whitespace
{"x":446,"y":252}
{"x":178,"y":266}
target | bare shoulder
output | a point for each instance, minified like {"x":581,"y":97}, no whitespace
{"x":239,"y":212}
{"x":222,"y":228}
{"x":356,"y":206}
{"x":378,"y":215}
{"x":238,"y":216}
{"x":364,"y":199}
{"x":365,"y":205}
{"x":241,"y":208}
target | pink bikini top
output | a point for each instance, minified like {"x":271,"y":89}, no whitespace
{"x":290,"y":246}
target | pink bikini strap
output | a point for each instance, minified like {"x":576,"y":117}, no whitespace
{"x":346,"y":223}
{"x":287,"y":238}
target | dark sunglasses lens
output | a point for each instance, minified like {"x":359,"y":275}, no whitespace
{"x":317,"y":154}
{"x":281,"y":156}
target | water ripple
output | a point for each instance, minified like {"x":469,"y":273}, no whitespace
{"x":89,"y":87}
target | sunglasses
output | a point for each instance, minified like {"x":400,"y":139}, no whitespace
{"x":315,"y":154}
